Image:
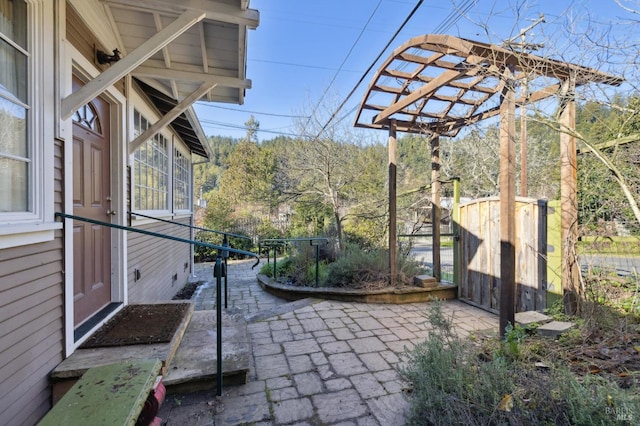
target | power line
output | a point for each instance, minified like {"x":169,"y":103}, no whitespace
{"x":353,"y":45}
{"x":407,"y":19}
{"x":292,"y":64}
{"x":253,"y":112}
{"x":453,"y":17}
{"x":212,"y":124}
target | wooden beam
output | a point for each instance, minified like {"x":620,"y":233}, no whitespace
{"x":123,"y":67}
{"x":183,"y":75}
{"x":435,"y":205}
{"x":170,"y":116}
{"x":393,"y":240}
{"x":507,"y":203}
{"x":569,"y":199}
{"x":427,"y":79}
{"x":431,"y":87}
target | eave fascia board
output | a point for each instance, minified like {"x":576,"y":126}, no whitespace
{"x":180,"y":75}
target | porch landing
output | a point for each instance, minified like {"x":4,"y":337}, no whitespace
{"x":188,"y":362}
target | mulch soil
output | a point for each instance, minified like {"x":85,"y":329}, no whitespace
{"x":139,"y":325}
{"x":186,"y":292}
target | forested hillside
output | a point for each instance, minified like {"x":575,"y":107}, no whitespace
{"x":338,"y":186}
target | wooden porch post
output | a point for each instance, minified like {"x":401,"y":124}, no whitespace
{"x":435,"y":205}
{"x":393,"y":240}
{"x":507,"y":203}
{"x":569,"y":199}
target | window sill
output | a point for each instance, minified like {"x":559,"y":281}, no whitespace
{"x":164,"y":215}
{"x":21,"y":235}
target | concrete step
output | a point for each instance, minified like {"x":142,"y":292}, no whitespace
{"x":425,"y":281}
{"x":194,"y":366}
{"x":67,"y":373}
{"x":555,"y":328}
{"x":530,"y":317}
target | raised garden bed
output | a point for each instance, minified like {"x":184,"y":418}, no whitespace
{"x":408,"y":294}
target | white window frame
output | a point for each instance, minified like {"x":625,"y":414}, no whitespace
{"x":37,"y":224}
{"x":187,"y":168}
{"x":169,"y":151}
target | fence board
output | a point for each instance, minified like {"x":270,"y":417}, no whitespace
{"x":480,"y":254}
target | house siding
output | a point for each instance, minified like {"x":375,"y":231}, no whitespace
{"x":31,"y":321}
{"x":158,"y":260}
{"x":82,"y":38}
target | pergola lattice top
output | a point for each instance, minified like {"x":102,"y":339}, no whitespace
{"x":438,"y":84}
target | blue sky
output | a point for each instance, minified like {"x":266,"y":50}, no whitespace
{"x":305,"y":51}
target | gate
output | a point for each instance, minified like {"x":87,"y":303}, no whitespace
{"x":479,"y":254}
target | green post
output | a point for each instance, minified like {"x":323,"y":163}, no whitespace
{"x":275,"y":260}
{"x":219,"y":325}
{"x":225,"y":256}
{"x":317,"y":265}
{"x":456,"y":230}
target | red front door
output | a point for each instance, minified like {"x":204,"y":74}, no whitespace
{"x":91,"y":199}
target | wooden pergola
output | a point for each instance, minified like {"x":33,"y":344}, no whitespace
{"x":438,"y":84}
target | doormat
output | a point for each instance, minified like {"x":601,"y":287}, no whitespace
{"x":139,"y":325}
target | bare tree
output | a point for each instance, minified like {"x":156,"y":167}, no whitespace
{"x":325,"y":165}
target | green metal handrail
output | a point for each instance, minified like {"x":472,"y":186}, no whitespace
{"x":225,"y":243}
{"x":226,"y":234}
{"x":218,"y":267}
{"x":156,"y":234}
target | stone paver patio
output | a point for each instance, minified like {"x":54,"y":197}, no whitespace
{"x":315,"y":362}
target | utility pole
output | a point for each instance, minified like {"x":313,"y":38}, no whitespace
{"x":524,"y":46}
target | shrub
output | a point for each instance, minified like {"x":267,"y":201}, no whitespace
{"x":452,"y":384}
{"x":207,"y":254}
{"x":357,"y":268}
{"x":283,"y":267}
{"x":368,"y":269}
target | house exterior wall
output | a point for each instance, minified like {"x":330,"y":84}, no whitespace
{"x":83,"y":39}
{"x":36,"y":295}
{"x":31,"y":321}
{"x":159,"y":262}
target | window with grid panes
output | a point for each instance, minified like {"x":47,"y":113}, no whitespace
{"x":16,"y":146}
{"x":181,"y":181}
{"x":150,"y":169}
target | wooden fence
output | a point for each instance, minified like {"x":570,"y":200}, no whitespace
{"x":479,"y":248}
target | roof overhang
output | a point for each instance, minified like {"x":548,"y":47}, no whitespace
{"x":213,"y":49}
{"x":185,"y":124}
{"x":437,"y":84}
{"x":179,"y":52}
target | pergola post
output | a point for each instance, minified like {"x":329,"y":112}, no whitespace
{"x":393,"y":239}
{"x":435,"y":205}
{"x":507,"y":202}
{"x":569,"y":198}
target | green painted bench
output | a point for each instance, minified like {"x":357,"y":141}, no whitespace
{"x":112,"y":394}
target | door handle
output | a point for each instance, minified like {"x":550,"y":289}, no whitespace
{"x":111,"y":212}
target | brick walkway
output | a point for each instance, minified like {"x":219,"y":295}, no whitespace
{"x":315,"y":362}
